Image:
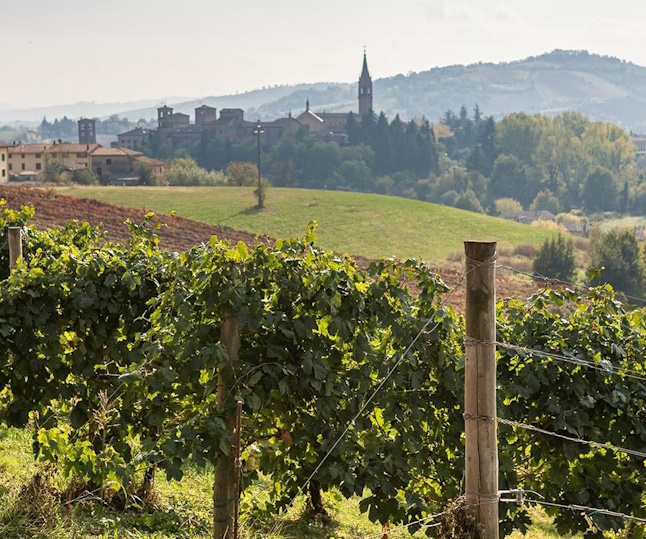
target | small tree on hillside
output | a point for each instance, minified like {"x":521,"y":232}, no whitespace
{"x":555,"y":259}
{"x":507,"y":206}
{"x":620,"y":256}
{"x":242,"y":174}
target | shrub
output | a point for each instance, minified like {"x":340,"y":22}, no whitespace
{"x":469,"y":201}
{"x":507,"y":206}
{"x":84,"y":176}
{"x":555,"y":259}
{"x":616,"y":258}
{"x":545,"y":200}
{"x":549,"y":225}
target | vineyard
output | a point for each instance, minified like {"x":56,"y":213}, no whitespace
{"x":126,"y":361}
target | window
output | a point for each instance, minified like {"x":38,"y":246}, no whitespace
{"x":37,"y":166}
{"x":66,"y":155}
{"x":22,"y":166}
{"x":81,"y":155}
{"x":10,"y":155}
{"x":108,"y":161}
{"x":3,"y":158}
{"x":3,"y":172}
{"x":37,"y":156}
{"x":22,"y":155}
{"x":10,"y":166}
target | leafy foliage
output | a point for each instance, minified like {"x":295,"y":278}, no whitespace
{"x":114,"y":354}
{"x":555,"y":259}
{"x":618,"y":258}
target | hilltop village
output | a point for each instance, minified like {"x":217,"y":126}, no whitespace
{"x":174,"y":130}
{"x":123,"y":161}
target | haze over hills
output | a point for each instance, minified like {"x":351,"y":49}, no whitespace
{"x":601,"y":87}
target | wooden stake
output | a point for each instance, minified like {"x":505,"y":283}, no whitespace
{"x":480,"y":387}
{"x":236,"y":456}
{"x":224,"y":494}
{"x":15,"y":245}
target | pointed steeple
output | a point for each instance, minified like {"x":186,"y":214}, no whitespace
{"x":365,"y":74}
{"x":307,"y":104}
{"x":365,"y":88}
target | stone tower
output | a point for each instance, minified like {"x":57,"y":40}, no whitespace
{"x":164,"y":117}
{"x":365,"y":89}
{"x":87,"y":131}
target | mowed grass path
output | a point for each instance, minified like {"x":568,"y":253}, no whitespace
{"x":360,"y":224}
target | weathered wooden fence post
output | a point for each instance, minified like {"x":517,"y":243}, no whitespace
{"x":236,"y":454}
{"x":224,"y":488}
{"x":14,"y":238}
{"x":480,"y":387}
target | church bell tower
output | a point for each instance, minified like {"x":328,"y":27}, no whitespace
{"x":365,"y":89}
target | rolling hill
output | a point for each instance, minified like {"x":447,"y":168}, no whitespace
{"x":602,"y":87}
{"x":367,"y":225}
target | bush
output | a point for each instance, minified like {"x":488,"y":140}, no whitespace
{"x":507,"y":206}
{"x":84,"y":176}
{"x":549,"y":225}
{"x":555,"y":259}
{"x":616,"y":258}
{"x":545,"y":200}
{"x":469,"y":201}
{"x":185,"y":171}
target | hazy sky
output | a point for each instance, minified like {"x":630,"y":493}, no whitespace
{"x":58,"y":52}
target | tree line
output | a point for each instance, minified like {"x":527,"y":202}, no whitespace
{"x":467,"y":160}
{"x":555,"y":163}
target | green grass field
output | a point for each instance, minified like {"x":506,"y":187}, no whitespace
{"x":359,"y":224}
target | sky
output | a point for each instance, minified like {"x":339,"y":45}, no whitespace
{"x":122,"y":50}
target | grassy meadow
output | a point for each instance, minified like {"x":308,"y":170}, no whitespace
{"x":359,"y":224}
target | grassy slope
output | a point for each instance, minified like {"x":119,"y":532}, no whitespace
{"x":359,"y":224}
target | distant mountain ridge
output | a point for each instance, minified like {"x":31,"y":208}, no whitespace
{"x":602,"y":87}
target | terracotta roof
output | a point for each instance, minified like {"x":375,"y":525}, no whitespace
{"x":205,"y":107}
{"x":28,"y":148}
{"x":72,"y":148}
{"x":333,"y":114}
{"x":175,"y":114}
{"x":311,"y":114}
{"x":149,"y":161}
{"x":136,"y":131}
{"x":116,"y":152}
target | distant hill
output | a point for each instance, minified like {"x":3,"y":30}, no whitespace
{"x":602,"y":87}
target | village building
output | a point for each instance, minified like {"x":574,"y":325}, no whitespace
{"x":26,"y":159}
{"x":4,"y":162}
{"x":71,"y":156}
{"x":87,"y":131}
{"x":136,"y":139}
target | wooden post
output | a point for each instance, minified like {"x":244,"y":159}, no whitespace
{"x":480,"y":387}
{"x":236,"y":455}
{"x":224,"y":487}
{"x":15,"y":245}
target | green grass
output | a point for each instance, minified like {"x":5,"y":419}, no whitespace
{"x":359,"y":224}
{"x":180,"y":510}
